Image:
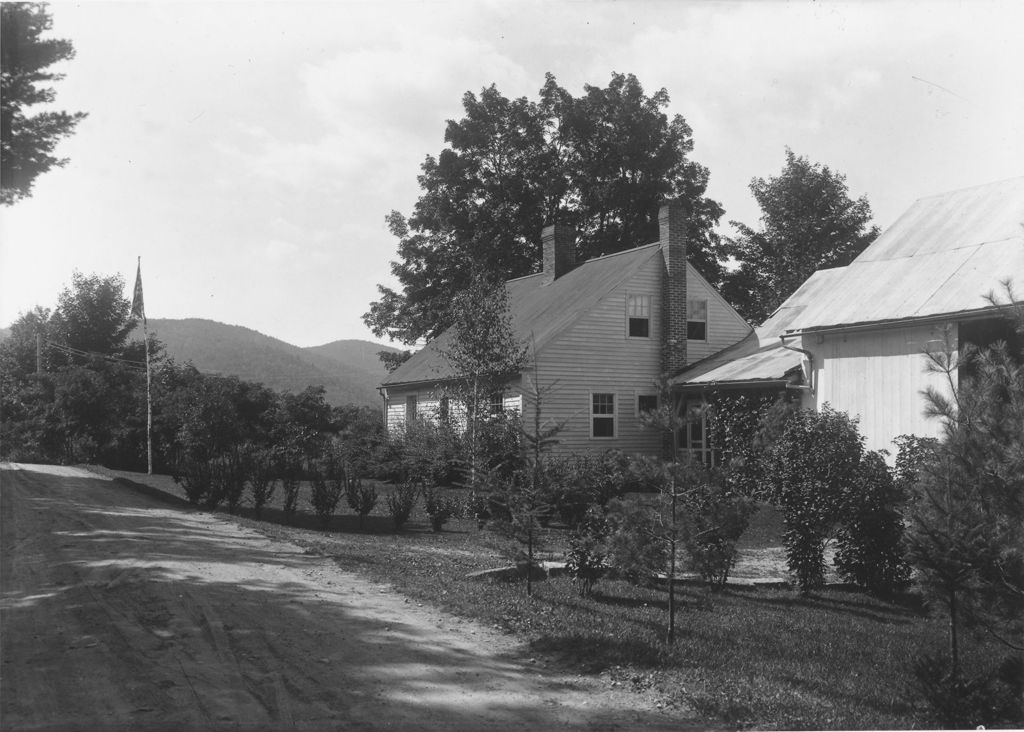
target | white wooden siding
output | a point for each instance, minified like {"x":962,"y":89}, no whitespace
{"x":725,"y":326}
{"x":596,"y":355}
{"x":878,"y":376}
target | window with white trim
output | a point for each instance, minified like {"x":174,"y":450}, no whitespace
{"x":410,"y":408}
{"x":696,"y":320}
{"x":602,"y":415}
{"x":496,"y":403}
{"x":638,"y":316}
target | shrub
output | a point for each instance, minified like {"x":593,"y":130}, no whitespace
{"x":401,"y":502}
{"x":635,"y":551}
{"x":809,"y":469}
{"x":289,"y":469}
{"x":718,"y":515}
{"x":196,"y":477}
{"x":229,"y":477}
{"x":578,"y":482}
{"x":585,"y":558}
{"x":261,"y":477}
{"x":361,"y":499}
{"x":439,"y":508}
{"x":327,"y":482}
{"x":870,"y":540}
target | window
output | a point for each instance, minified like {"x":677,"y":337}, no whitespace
{"x":697,"y":320}
{"x":443,"y":409}
{"x":638,"y":315}
{"x":410,"y":408}
{"x":496,"y":403}
{"x":646,"y":403}
{"x":602,"y":415}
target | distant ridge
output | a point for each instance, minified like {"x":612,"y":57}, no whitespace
{"x":349,"y":370}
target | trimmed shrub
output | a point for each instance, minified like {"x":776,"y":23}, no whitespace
{"x":361,"y":499}
{"x":196,"y":477}
{"x":260,"y":469}
{"x":327,"y":483}
{"x":401,"y":502}
{"x":439,"y":508}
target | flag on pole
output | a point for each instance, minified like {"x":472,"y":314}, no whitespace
{"x":138,"y":307}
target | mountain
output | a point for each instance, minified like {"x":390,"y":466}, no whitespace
{"x":348,"y":370}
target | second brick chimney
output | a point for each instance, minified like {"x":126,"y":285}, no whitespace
{"x":672,"y":238}
{"x":559,"y":241}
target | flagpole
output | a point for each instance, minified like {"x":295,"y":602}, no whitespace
{"x":139,"y":309}
{"x":149,"y":399}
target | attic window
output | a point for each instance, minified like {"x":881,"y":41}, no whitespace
{"x":697,"y":320}
{"x":638,"y":314}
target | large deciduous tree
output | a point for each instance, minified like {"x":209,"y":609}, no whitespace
{"x":28,"y":141}
{"x":602,"y":162}
{"x":808,"y":221}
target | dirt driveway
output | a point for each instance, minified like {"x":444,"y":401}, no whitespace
{"x":120,"y":611}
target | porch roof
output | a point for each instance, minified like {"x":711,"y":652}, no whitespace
{"x":760,"y":356}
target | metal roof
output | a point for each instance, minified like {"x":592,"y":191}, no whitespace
{"x":940,"y":257}
{"x":539,"y":311}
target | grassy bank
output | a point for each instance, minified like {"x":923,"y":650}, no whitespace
{"x":765,"y":658}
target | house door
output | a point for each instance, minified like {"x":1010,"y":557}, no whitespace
{"x":693,"y":438}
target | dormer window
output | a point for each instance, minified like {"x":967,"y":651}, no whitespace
{"x":697,"y":320}
{"x":638,"y":315}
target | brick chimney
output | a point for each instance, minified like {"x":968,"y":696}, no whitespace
{"x":559,"y":242}
{"x":672,"y":238}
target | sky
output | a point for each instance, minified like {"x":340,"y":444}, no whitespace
{"x":249,"y":152}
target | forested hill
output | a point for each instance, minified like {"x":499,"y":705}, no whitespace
{"x":348,"y":370}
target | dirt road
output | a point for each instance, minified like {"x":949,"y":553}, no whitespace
{"x":120,"y":611}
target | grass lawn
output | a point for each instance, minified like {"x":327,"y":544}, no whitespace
{"x":762,"y":658}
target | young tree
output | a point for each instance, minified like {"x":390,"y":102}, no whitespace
{"x":966,"y":529}
{"x":28,"y":142}
{"x":603,"y":163}
{"x":484,"y":353}
{"x":808,"y":223}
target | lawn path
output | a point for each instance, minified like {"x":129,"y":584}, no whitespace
{"x":120,"y":611}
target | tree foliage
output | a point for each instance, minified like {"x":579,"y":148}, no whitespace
{"x":28,"y":140}
{"x":808,"y":223}
{"x":966,"y":529}
{"x":811,"y":468}
{"x":602,"y":162}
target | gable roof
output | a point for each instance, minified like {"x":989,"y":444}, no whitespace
{"x":940,"y":258}
{"x":760,"y":356}
{"x":540,"y":312}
